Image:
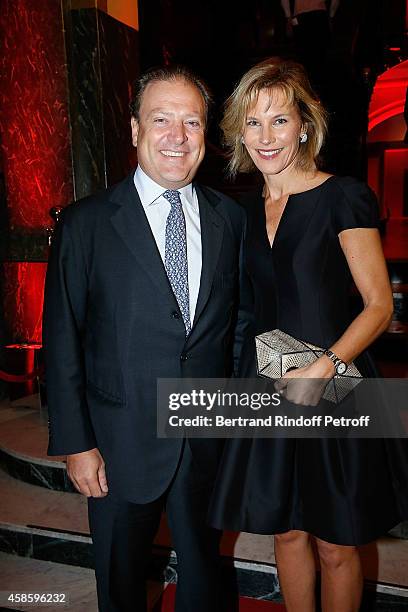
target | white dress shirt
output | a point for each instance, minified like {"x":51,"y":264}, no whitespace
{"x":157,"y":208}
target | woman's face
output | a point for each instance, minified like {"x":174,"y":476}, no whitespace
{"x":272,"y":131}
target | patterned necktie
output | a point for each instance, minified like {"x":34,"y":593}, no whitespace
{"x":175,"y":255}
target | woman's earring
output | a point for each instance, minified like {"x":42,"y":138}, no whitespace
{"x":303,"y":137}
{"x":242,"y":140}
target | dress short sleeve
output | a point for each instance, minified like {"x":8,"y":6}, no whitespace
{"x":355,"y":205}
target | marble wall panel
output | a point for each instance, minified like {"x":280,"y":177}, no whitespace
{"x":72,"y":549}
{"x":119,"y":52}
{"x":34,"y":121}
{"x":16,"y":542}
{"x":54,"y":478}
{"x":23,"y":290}
{"x":28,"y":244}
{"x":84,"y":76}
{"x":32,"y":543}
{"x":103,"y":62}
{"x":62,"y":550}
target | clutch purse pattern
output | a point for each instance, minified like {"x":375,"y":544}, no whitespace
{"x":278,"y":352}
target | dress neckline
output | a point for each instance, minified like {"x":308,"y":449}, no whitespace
{"x":290,"y":197}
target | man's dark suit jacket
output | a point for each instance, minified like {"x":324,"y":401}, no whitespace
{"x":112,"y":327}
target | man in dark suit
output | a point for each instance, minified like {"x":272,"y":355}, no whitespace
{"x":142,"y":284}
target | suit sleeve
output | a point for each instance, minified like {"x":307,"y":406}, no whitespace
{"x":245,"y":307}
{"x":65,"y":305}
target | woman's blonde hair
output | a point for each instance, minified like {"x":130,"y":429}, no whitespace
{"x":273,"y":74}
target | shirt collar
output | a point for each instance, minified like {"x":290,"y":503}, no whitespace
{"x":150,"y":192}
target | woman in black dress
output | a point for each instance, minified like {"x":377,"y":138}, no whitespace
{"x":308,"y":234}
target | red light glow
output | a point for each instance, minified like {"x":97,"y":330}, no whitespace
{"x":34,"y":120}
{"x":23,"y":300}
{"x":388,"y":97}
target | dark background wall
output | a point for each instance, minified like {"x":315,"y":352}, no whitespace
{"x":221,"y":40}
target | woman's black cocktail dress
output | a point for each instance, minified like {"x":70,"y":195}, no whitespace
{"x":344,"y":491}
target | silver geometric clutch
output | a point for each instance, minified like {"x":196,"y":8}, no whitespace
{"x":277,"y":352}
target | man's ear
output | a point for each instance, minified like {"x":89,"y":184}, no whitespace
{"x":134,"y":124}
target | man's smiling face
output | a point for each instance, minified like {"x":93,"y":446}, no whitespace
{"x":169,"y":134}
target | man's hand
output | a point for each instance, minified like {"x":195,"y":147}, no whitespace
{"x":87,"y":472}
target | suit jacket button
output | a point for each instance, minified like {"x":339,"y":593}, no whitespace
{"x":183,"y":357}
{"x":175,"y":314}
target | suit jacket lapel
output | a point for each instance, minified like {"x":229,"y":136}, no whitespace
{"x":212,"y":230}
{"x":132,"y":225}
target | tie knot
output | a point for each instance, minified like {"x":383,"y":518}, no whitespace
{"x":172,"y":196}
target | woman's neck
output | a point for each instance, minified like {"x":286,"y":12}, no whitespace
{"x":283,"y":184}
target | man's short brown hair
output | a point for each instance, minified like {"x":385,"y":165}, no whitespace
{"x":171,"y":73}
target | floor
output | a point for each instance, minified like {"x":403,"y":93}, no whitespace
{"x":30,"y":506}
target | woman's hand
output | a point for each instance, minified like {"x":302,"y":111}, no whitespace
{"x":305,"y":386}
